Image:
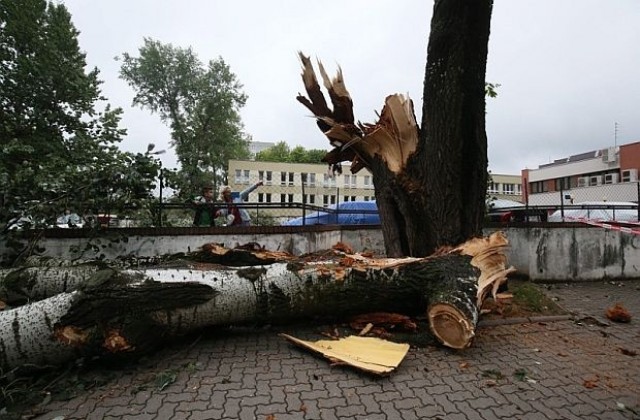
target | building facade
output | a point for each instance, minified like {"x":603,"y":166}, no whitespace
{"x":505,"y":187}
{"x":609,"y":174}
{"x":283,"y":183}
{"x":312,"y":184}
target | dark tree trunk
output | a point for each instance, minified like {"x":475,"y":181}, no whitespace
{"x":454,"y":153}
{"x":430,"y":183}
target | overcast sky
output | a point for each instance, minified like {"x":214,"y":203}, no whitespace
{"x":568,"y":69}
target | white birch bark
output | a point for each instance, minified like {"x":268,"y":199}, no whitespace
{"x":26,"y":334}
{"x":37,"y":283}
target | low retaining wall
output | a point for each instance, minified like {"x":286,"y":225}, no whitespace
{"x":544,"y":252}
{"x":573,"y":252}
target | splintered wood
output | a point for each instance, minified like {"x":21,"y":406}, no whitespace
{"x":369,"y":354}
{"x":393,"y":138}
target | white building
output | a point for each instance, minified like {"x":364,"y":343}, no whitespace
{"x":609,"y":174}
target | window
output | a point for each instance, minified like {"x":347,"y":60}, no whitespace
{"x":260,"y":197}
{"x":350,"y":181}
{"x":353,"y":198}
{"x":268,"y":197}
{"x":538,"y":187}
{"x":518,"y":189}
{"x":366,"y":198}
{"x":242,"y":177}
{"x":494,"y":188}
{"x":265,"y":180}
{"x":283,"y":198}
{"x":367,"y":182}
{"x":312,"y":199}
{"x":508,"y":189}
{"x":283,"y":178}
{"x":290,"y":198}
{"x":329,"y":181}
{"x":291,"y":178}
{"x":563,"y":184}
{"x":326,"y":199}
{"x":346,"y":198}
{"x":308,"y":179}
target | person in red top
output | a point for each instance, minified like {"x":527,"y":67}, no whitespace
{"x":240,"y":215}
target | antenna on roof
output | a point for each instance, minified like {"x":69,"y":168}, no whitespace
{"x":615,"y":133}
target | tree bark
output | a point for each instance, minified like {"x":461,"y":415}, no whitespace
{"x":129,"y":312}
{"x":431,"y":182}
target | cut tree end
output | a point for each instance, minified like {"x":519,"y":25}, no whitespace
{"x":450,"y":326}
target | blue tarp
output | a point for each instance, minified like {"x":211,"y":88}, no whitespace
{"x":347,"y":213}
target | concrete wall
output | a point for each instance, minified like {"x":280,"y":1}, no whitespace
{"x":544,"y":253}
{"x":121,"y":242}
{"x":573,"y":253}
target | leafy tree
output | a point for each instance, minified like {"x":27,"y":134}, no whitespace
{"x":201,"y":105}
{"x":277,"y":153}
{"x":56,"y":149}
{"x":281,"y":152}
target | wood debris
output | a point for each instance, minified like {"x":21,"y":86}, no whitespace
{"x":247,"y":254}
{"x":341,"y":246}
{"x":369,"y":354}
{"x":618,"y":313}
{"x":385,"y":320}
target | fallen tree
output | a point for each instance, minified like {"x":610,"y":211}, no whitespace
{"x":129,"y":312}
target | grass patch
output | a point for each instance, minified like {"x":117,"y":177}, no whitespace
{"x":528,"y":300}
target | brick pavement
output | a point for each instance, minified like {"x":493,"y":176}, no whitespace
{"x":554,"y":370}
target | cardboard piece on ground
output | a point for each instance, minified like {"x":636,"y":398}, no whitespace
{"x":366,"y":353}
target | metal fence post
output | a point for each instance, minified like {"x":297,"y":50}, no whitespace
{"x":561,"y":202}
{"x":304,"y":200}
{"x":638,"y":198}
{"x":160,"y":198}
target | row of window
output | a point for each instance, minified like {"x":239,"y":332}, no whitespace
{"x":310,"y":198}
{"x":504,"y":188}
{"x":243,"y":176}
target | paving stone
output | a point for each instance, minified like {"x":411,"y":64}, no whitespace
{"x":267,"y":409}
{"x":253,"y":373}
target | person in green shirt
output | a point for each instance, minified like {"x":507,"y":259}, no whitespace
{"x":205,"y":210}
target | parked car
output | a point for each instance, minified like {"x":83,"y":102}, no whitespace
{"x":346,"y":213}
{"x":505,"y":211}
{"x":69,"y":220}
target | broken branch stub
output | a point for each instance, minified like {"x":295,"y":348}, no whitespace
{"x":393,"y":138}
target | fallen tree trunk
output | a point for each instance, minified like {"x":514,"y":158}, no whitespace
{"x":44,"y":277}
{"x":127,"y":315}
{"x":27,"y":284}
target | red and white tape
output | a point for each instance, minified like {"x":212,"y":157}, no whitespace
{"x":602,"y":224}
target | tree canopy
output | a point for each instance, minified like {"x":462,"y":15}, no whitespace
{"x":281,"y":152}
{"x":200,"y":103}
{"x":59,"y":147}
